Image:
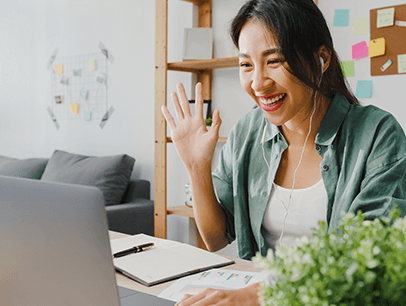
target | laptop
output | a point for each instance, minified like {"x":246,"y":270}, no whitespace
{"x":55,"y":247}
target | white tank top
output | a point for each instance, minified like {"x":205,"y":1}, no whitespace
{"x":307,"y":207}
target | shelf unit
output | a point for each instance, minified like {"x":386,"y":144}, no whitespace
{"x":202,"y":69}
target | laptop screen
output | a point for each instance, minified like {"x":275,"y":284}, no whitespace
{"x":55,"y":247}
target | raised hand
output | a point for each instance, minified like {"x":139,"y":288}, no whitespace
{"x":193,"y":142}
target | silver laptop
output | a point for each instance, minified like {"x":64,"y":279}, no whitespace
{"x":54,"y":247}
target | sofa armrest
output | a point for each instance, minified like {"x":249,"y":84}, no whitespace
{"x":132,"y":218}
{"x":137,"y":189}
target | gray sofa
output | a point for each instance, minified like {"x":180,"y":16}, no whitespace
{"x":129,"y":208}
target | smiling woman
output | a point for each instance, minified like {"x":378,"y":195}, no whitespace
{"x":308,"y":153}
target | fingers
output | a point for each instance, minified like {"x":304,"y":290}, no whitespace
{"x":216,"y":123}
{"x":168,"y":117}
{"x":199,"y":101}
{"x":184,"y":102}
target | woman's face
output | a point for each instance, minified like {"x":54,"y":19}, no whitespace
{"x":264,"y":77}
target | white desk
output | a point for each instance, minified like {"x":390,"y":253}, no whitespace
{"x":239,"y":265}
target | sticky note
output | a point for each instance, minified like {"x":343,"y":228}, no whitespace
{"x":84,"y":93}
{"x":77,"y":72}
{"x":87,"y":115}
{"x":341,"y":18}
{"x":360,"y":50}
{"x":400,"y":23}
{"x":386,"y":65}
{"x":402,"y":63}
{"x":377,"y":47}
{"x":364,"y":89}
{"x":385,"y":17}
{"x":360,"y":26}
{"x":74,"y":108}
{"x":59,"y":68}
{"x":92,"y":65}
{"x":348,"y":68}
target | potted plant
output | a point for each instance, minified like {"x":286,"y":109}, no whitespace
{"x":363,"y":263}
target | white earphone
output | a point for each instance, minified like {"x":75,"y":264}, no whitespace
{"x":301,"y":156}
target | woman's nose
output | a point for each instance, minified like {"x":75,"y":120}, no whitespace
{"x":261,"y":80}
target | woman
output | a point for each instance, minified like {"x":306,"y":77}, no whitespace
{"x":307,"y":153}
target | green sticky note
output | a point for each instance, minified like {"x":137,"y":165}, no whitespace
{"x":341,"y":18}
{"x":364,"y":89}
{"x":348,"y":68}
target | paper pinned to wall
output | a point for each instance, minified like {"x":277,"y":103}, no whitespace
{"x":401,"y":63}
{"x":51,"y":114}
{"x":360,"y":50}
{"x":348,"y":68}
{"x":74,"y":108}
{"x":59,"y":68}
{"x":341,"y":18}
{"x":92,"y":65}
{"x":106,"y":117}
{"x":385,"y":17}
{"x":377,"y":47}
{"x":360,"y":26}
{"x":364,"y":89}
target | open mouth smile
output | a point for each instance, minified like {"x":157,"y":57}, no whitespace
{"x":272,"y":102}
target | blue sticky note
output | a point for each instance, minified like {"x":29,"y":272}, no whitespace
{"x":341,"y":18}
{"x":87,"y":115}
{"x":364,"y":89}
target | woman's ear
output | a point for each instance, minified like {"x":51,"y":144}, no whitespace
{"x":324,"y":54}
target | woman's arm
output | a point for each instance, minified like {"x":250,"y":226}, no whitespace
{"x":195,"y":147}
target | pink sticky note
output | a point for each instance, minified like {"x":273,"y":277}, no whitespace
{"x":360,"y":50}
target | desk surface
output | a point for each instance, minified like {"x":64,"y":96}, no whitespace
{"x":239,"y":265}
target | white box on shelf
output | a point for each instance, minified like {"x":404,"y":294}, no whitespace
{"x":198,"y":44}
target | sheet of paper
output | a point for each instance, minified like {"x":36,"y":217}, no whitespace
{"x":341,"y":18}
{"x":402,"y":63}
{"x":385,"y":17}
{"x":377,"y":47}
{"x":348,"y":68}
{"x":87,"y":115}
{"x":59,"y":69}
{"x":360,"y":26}
{"x":215,"y":279}
{"x":364,"y":89}
{"x":360,"y":50}
{"x":74,"y":108}
{"x":92,"y":65}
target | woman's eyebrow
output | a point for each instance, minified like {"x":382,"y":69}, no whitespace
{"x":264,"y":53}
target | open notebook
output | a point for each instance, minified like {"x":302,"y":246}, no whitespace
{"x":166,"y":260}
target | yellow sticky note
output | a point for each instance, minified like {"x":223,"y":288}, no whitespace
{"x":92,"y":64}
{"x":360,"y":26}
{"x":402,"y":63}
{"x":385,"y":17}
{"x":59,"y":68}
{"x":74,"y":108}
{"x":377,"y":47}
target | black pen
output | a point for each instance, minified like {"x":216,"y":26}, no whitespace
{"x":135,"y":249}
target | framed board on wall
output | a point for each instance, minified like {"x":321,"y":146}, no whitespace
{"x":395,"y":42}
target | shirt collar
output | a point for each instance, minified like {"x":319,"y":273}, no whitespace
{"x":333,"y":119}
{"x":271,"y":130}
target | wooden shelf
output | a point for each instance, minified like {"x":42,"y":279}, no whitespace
{"x":201,"y":65}
{"x":221,"y":139}
{"x":183,"y":210}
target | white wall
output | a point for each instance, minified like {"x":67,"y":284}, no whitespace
{"x":32,"y":29}
{"x":388,"y":91}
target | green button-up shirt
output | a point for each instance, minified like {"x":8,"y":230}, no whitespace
{"x":363,"y":150}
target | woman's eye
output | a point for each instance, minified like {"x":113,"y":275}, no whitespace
{"x":274,"y":61}
{"x":245,"y":65}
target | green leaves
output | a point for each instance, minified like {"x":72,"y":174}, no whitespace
{"x":363,"y":263}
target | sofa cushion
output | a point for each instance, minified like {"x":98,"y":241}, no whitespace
{"x":110,"y":174}
{"x":32,"y":168}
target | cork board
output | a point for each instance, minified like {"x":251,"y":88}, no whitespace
{"x":395,"y":38}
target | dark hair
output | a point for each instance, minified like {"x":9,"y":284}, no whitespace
{"x":300,"y":30}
